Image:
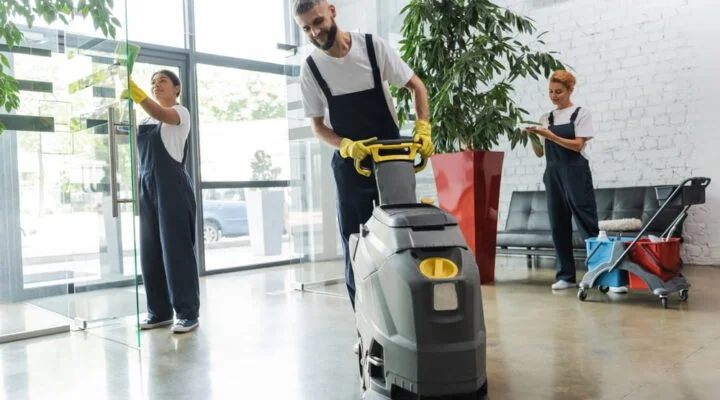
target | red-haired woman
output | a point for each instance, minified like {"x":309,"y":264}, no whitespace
{"x":568,"y":180}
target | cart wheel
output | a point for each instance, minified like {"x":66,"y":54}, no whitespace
{"x":582,"y":294}
{"x":664,"y":302}
{"x":604,"y":289}
{"x":684,"y":295}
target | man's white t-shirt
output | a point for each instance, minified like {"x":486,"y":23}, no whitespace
{"x":352,"y":73}
{"x":174,"y":136}
{"x":583,"y":123}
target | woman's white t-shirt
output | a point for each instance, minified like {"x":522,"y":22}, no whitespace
{"x":583,"y":123}
{"x":174,"y":136}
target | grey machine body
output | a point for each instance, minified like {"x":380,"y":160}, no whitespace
{"x":417,"y":340}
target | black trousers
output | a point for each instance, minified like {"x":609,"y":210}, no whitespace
{"x":167,"y":254}
{"x":570,"y":193}
{"x":356,"y":197}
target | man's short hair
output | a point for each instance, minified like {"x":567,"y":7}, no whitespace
{"x":303,"y":6}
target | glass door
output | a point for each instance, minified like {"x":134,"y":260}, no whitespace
{"x":74,"y":163}
{"x":104,"y":296}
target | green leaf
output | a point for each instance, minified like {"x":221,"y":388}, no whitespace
{"x":468,"y":53}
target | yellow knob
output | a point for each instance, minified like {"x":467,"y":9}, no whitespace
{"x":427,"y":200}
{"x":438,"y":268}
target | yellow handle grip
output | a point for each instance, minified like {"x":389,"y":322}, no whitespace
{"x":422,"y":165}
{"x":360,"y":169}
{"x":375,"y":149}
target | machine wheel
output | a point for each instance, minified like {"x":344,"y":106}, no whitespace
{"x":484,"y":389}
{"x":359,"y":352}
{"x":684,"y":295}
{"x":582,"y":294}
{"x":664,"y":301}
{"x":604,"y":289}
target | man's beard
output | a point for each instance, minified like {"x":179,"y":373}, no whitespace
{"x":331,"y":36}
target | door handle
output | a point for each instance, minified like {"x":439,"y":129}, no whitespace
{"x":113,"y":161}
{"x":134,"y":161}
{"x":112,"y":129}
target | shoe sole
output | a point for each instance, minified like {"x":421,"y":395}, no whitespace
{"x":156,"y":325}
{"x":185,"y":329}
{"x":564,"y":288}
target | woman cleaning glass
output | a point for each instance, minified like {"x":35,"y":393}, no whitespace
{"x":167,"y":207}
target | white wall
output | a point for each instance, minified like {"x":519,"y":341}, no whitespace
{"x":644,"y":69}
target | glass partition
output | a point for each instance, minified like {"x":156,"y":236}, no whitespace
{"x":69,"y":187}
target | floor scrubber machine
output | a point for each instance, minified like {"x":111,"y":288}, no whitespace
{"x":419,"y":309}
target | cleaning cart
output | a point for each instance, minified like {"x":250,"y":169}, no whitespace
{"x":653,"y":263}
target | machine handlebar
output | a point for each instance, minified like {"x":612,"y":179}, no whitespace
{"x":378,"y":146}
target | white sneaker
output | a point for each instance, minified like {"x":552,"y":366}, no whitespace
{"x":562,"y":285}
{"x":185,"y":325}
{"x":152,"y":323}
{"x":619,"y":289}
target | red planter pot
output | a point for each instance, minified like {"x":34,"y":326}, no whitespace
{"x":468,"y":187}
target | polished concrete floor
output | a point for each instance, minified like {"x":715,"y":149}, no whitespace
{"x":260,"y":339}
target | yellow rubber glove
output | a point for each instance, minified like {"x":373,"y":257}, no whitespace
{"x":136,"y":94}
{"x":355,"y":149}
{"x":423,"y":136}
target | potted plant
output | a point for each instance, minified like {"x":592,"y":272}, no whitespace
{"x":264,"y":208}
{"x":469,"y":53}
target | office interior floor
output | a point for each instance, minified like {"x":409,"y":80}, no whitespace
{"x":260,"y":339}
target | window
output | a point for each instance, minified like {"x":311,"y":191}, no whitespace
{"x":158,"y":22}
{"x":243,"y":127}
{"x":248,"y":29}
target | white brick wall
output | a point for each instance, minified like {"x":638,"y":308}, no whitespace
{"x":645,"y":69}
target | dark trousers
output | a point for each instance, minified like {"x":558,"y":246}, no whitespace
{"x":352,"y":212}
{"x":356,"y":197}
{"x":570,"y":193}
{"x":167,"y":254}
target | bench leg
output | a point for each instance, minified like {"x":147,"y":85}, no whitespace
{"x":529,"y":259}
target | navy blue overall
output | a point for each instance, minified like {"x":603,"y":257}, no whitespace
{"x":356,"y":116}
{"x":569,"y":186}
{"x":167,"y":230}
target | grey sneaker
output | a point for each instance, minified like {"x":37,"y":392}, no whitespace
{"x":562,"y":285}
{"x":185,"y":325}
{"x":619,"y":289}
{"x":154,"y":322}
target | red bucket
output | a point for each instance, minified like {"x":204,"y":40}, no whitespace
{"x":659,"y":258}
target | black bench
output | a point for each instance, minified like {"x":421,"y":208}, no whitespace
{"x":527,"y":228}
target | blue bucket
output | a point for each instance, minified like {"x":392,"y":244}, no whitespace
{"x":603,"y":255}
